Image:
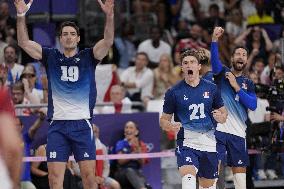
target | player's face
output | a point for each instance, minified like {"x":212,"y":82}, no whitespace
{"x":239,"y":59}
{"x":130,"y":130}
{"x":190,"y":67}
{"x":69,"y":38}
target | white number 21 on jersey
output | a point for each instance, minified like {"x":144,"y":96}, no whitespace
{"x":195,"y":109}
{"x":70,"y":74}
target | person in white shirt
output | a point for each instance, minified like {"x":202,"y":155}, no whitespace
{"x":10,"y":58}
{"x":138,"y":79}
{"x":154,"y":47}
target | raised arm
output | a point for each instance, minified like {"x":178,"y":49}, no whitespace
{"x":102,"y":47}
{"x":215,"y":61}
{"x":30,"y":47}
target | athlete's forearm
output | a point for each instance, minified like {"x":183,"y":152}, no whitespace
{"x":215,"y":62}
{"x":248,"y":100}
{"x":22,"y":32}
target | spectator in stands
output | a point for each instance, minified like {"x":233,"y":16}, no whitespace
{"x":27,"y":139}
{"x":261,"y":17}
{"x":138,"y":79}
{"x":193,"y":41}
{"x":164,"y":76}
{"x":6,"y":21}
{"x":129,"y":170}
{"x":255,"y":38}
{"x":205,"y":4}
{"x":248,"y":8}
{"x":18,"y":97}
{"x":235,"y":24}
{"x":124,"y":48}
{"x":121,"y":104}
{"x":186,"y":10}
{"x":10,"y":58}
{"x":149,"y":6}
{"x":277,"y":42}
{"x":212,"y":20}
{"x":154,"y":47}
{"x":3,"y":44}
{"x":273,"y":59}
{"x":29,"y":78}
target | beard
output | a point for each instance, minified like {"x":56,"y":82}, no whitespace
{"x":238,"y":66}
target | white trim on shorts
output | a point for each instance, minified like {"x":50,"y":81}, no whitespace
{"x":89,"y":124}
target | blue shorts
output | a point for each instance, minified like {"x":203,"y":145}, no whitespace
{"x":205,"y":162}
{"x":65,"y":138}
{"x":232,"y":149}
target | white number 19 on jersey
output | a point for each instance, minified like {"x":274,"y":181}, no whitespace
{"x":70,"y":74}
{"x":195,"y":109}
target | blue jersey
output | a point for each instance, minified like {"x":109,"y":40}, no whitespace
{"x":71,"y":84}
{"x":192,"y":106}
{"x":237,"y":112}
{"x":209,"y":76}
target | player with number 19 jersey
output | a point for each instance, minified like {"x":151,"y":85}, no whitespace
{"x":193,"y":106}
{"x":71,"y":84}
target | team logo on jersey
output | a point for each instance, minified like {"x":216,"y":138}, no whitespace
{"x":86,"y":155}
{"x":184,"y":97}
{"x":206,"y":94}
{"x":188,"y":159}
{"x":77,"y":60}
{"x":244,"y":86}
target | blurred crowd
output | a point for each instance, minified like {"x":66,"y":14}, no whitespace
{"x":142,"y":68}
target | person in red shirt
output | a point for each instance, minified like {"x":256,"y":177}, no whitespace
{"x":10,"y":143}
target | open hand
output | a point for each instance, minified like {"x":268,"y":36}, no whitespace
{"x":21,"y":6}
{"x":107,"y":7}
{"x":176,"y":127}
{"x":233,"y":82}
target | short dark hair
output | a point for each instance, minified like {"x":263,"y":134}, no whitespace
{"x":239,"y":47}
{"x":189,"y":52}
{"x":144,"y":54}
{"x":18,"y":86}
{"x":71,"y":24}
{"x":12,"y":46}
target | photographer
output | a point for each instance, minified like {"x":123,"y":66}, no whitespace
{"x":258,"y":132}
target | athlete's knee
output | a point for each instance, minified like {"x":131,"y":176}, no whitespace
{"x":207,"y":183}
{"x":187,"y":169}
{"x":88,"y":179}
{"x":55,"y":180}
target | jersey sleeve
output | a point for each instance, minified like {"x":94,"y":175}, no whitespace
{"x":169,"y":102}
{"x":89,"y":53}
{"x":45,"y":54}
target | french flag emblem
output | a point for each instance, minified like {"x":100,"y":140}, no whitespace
{"x":206,"y":94}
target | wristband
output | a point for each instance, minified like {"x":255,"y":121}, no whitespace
{"x":24,"y":13}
